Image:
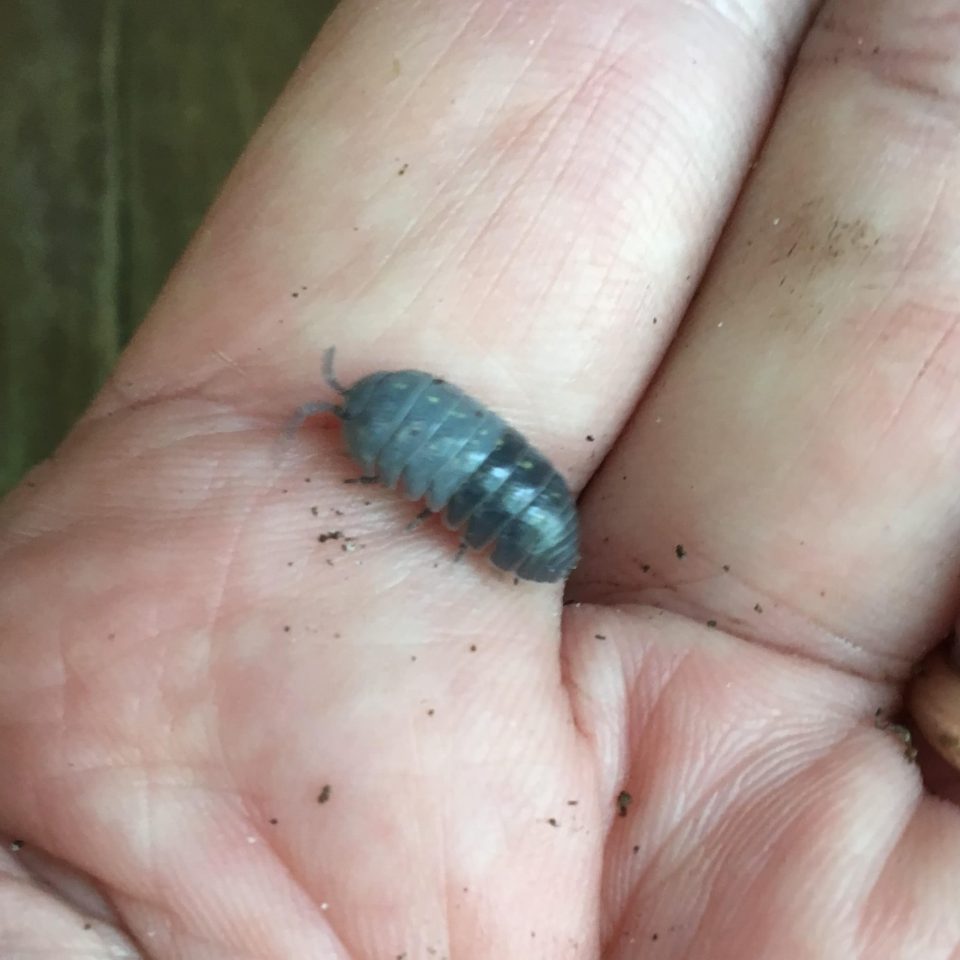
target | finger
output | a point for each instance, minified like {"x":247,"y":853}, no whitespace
{"x":755,"y":777}
{"x":934,"y":702}
{"x":793,"y":473}
{"x":520,"y":202}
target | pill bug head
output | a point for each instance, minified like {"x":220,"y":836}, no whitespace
{"x":366,"y":425}
{"x":319,"y":406}
{"x":371,"y":408}
{"x":354,"y":398}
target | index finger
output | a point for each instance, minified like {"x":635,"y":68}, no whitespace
{"x":521,"y":204}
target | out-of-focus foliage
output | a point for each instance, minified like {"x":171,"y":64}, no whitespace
{"x":118,"y":122}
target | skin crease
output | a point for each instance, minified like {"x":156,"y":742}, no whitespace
{"x":224,"y":734}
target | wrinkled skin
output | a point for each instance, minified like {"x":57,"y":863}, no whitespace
{"x":608,"y":224}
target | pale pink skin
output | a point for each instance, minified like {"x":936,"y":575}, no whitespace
{"x":568,"y":168}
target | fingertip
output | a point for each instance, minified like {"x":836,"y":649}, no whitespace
{"x":933,"y":700}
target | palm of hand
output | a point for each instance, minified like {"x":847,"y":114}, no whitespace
{"x":258,"y":739}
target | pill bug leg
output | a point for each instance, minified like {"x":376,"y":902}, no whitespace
{"x":418,"y":519}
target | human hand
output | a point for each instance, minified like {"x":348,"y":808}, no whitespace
{"x":222,"y":737}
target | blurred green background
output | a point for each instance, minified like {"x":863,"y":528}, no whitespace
{"x":118,"y":121}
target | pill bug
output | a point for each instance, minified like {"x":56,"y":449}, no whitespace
{"x":417,"y":433}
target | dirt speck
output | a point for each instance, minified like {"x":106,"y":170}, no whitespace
{"x":324,"y":795}
{"x":590,"y":438}
{"x":315,"y":511}
{"x":600,"y":636}
{"x":758,"y":607}
{"x":330,"y":535}
{"x":680,"y":551}
{"x":274,"y":821}
{"x":711,"y":623}
{"x":553,"y":822}
{"x":902,"y":733}
{"x":624,"y":799}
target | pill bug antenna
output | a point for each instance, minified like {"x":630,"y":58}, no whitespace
{"x":328,"y":373}
{"x":314,"y":407}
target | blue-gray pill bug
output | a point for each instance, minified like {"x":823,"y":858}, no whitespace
{"x":413,"y":431}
